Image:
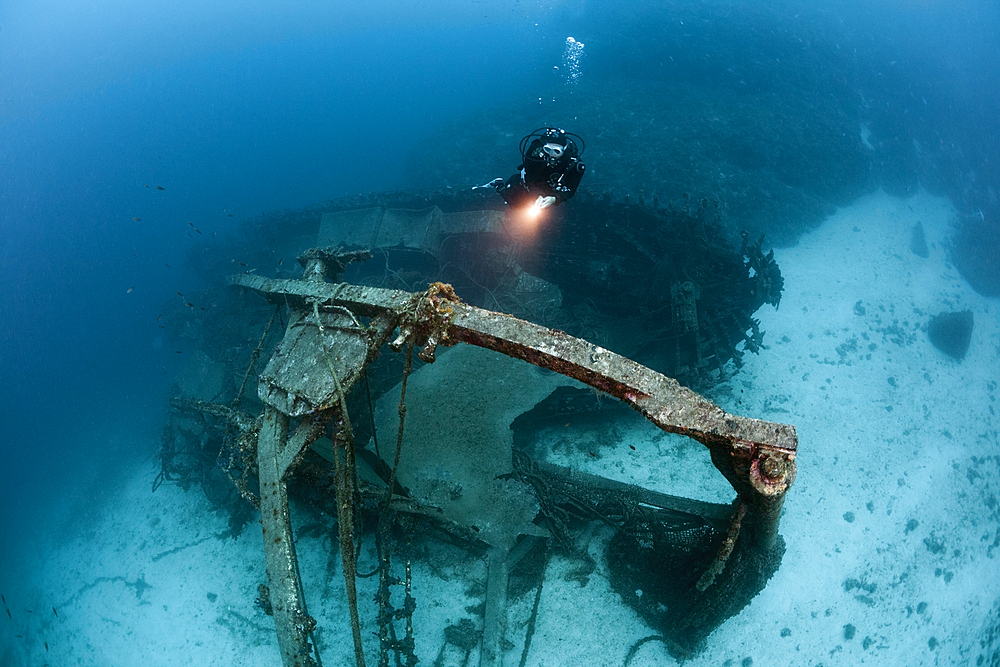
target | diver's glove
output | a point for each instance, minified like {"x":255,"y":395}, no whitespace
{"x":544,"y":202}
{"x":495,"y":183}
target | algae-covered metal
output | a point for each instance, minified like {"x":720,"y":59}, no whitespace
{"x":336,"y":329}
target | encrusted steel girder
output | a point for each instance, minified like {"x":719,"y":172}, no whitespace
{"x":287,"y":604}
{"x":757,"y":457}
{"x":336,"y":329}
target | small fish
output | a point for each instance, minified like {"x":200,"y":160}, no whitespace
{"x":147,"y":185}
{"x":189,"y":304}
{"x":137,"y":219}
{"x":4,"y":599}
{"x":129,"y":290}
{"x":8,"y":612}
{"x":167,"y":265}
{"x":230,"y":215}
{"x":241,"y":263}
{"x":197,"y":230}
{"x":179,"y":352}
{"x":280,"y":262}
{"x":160,"y":187}
{"x":159,"y":318}
{"x":190,"y":223}
{"x":46,"y":646}
{"x":179,"y":294}
{"x":55,"y":612}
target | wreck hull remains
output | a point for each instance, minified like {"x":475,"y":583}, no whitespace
{"x":757,"y":457}
{"x":681,"y":300}
{"x":657,"y":283}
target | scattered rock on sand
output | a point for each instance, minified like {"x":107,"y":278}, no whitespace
{"x":951,"y":333}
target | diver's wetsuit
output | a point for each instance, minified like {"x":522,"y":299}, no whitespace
{"x":542,"y":175}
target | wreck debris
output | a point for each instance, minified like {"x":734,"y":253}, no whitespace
{"x":287,"y":602}
{"x":761,"y":453}
{"x":769,"y":282}
{"x":321,"y":356}
{"x":336,"y":329}
{"x":659,"y":284}
{"x":728,"y":544}
{"x":697,"y":562}
{"x":606,"y":269}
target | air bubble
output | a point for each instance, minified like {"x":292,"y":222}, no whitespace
{"x":572,"y":57}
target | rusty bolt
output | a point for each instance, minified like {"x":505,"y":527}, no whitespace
{"x":772,"y":467}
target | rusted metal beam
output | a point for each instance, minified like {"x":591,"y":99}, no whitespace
{"x":320,"y":357}
{"x":287,"y":604}
{"x":237,"y":418}
{"x":756,"y":456}
{"x":328,"y":343}
{"x":661,"y":399}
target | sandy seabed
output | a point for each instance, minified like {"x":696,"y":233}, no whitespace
{"x":892,"y":526}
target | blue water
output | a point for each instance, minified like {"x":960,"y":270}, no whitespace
{"x":236,"y":109}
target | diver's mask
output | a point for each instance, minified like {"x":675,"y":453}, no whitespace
{"x":553,"y":151}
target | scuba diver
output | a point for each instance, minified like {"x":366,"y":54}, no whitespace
{"x":549,"y":173}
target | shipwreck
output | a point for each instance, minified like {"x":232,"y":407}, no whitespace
{"x":371,"y":305}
